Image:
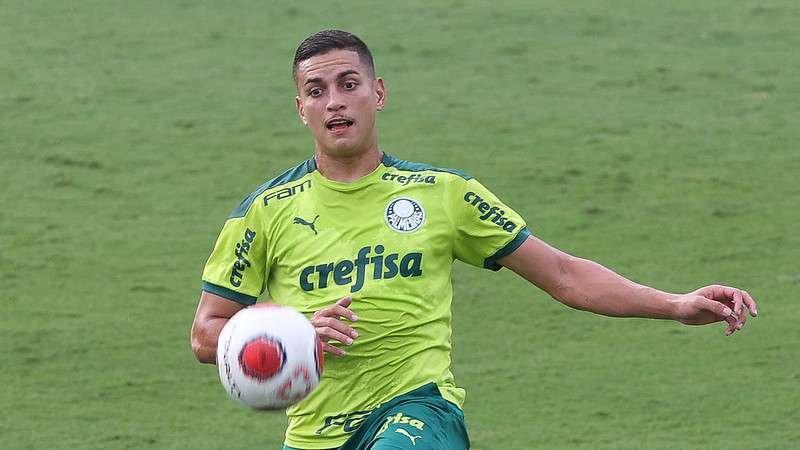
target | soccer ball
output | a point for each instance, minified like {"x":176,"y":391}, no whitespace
{"x":269,"y":356}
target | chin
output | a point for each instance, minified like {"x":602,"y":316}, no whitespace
{"x":343,"y":147}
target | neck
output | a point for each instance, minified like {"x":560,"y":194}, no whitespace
{"x":347,"y":168}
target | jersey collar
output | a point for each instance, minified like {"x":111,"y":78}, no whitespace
{"x":386,"y":161}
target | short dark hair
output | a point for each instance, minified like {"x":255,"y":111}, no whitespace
{"x":324,"y":41}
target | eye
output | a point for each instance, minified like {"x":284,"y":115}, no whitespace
{"x":350,"y":85}
{"x":315,"y":92}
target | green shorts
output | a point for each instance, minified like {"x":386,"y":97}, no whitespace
{"x":418,"y":420}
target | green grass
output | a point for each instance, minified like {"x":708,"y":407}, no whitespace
{"x":659,"y":138}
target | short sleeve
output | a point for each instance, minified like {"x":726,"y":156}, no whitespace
{"x":486,"y":229}
{"x":237,"y":267}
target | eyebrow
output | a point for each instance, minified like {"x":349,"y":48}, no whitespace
{"x":339,"y":76}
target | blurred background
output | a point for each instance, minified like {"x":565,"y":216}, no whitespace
{"x":658,"y":138}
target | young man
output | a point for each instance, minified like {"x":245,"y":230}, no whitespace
{"x":364,"y":243}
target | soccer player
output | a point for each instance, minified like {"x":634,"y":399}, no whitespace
{"x":363,"y":242}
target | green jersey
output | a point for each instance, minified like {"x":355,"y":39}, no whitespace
{"x":388,"y":240}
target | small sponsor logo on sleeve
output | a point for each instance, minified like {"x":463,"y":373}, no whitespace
{"x":242,"y":263}
{"x":490,"y":212}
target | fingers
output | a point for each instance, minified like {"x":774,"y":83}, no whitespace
{"x":728,"y":315}
{"x":742,"y":320}
{"x":732,"y":324}
{"x":740,"y":300}
{"x":748,"y":303}
{"x":338,"y":309}
{"x":738,"y":305}
{"x":721,"y":310}
{"x":725,"y":310}
{"x":345,"y":301}
{"x":334,"y":350}
{"x":751,"y":304}
{"x":329,"y":326}
{"x":717,"y":292}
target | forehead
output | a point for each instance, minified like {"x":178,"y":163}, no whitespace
{"x":329,"y":65}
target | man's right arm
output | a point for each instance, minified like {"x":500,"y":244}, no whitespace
{"x":212,"y":314}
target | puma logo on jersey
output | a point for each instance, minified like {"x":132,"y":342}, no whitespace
{"x":319,"y":276}
{"x":406,"y":434}
{"x":242,"y":263}
{"x":487,"y":211}
{"x":301,"y":221}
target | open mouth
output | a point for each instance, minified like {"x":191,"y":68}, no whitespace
{"x":338,"y":124}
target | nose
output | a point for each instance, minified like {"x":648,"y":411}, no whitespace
{"x":335,"y":102}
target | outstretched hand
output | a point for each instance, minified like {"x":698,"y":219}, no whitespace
{"x":715,"y":304}
{"x":329,"y":326}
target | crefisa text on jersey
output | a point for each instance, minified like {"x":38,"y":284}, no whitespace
{"x":407,"y":179}
{"x":242,"y":263}
{"x":489,"y":210}
{"x":383,"y":267}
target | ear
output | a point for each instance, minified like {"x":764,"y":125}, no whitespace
{"x":300,"y":110}
{"x":380,"y":93}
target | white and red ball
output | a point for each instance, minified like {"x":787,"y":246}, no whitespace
{"x":269,"y":356}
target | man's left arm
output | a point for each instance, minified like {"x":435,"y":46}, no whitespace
{"x":586,"y":285}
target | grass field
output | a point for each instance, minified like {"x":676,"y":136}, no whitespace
{"x":659,"y":138}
